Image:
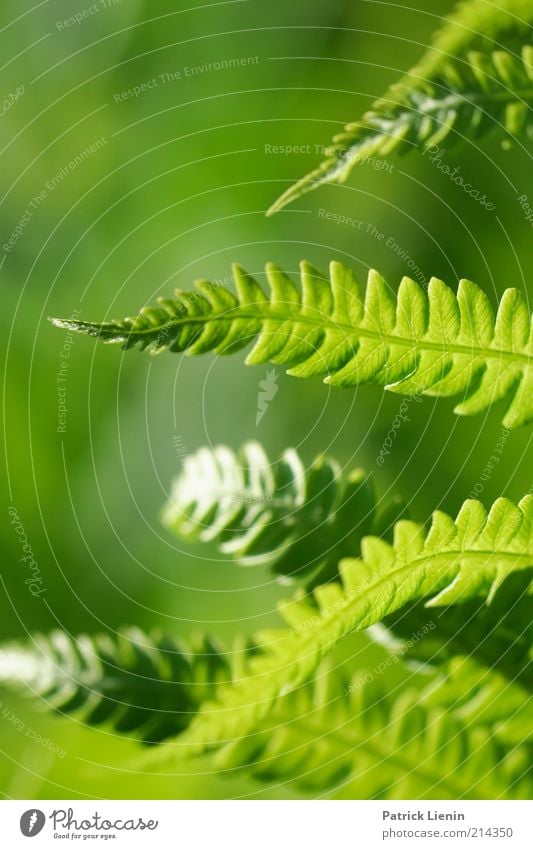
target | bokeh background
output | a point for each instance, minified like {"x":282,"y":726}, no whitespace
{"x":174,"y":187}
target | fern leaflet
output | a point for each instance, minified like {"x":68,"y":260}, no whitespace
{"x":473,"y":25}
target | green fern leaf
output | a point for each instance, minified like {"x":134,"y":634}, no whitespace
{"x":468,"y":100}
{"x":327,"y":733}
{"x":298,"y":521}
{"x":354,"y":739}
{"x":437,"y":343}
{"x":452,"y":563}
{"x":149,"y":685}
{"x":359,"y":742}
{"x":454,"y":93}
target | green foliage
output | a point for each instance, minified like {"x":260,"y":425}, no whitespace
{"x":489,"y":93}
{"x":328,"y":733}
{"x":447,"y":712}
{"x":298,"y":521}
{"x":334,"y":732}
{"x":474,"y":25}
{"x":482,"y":655}
{"x":453,"y":562}
{"x":135,"y":682}
{"x":454,"y":94}
{"x":478,"y":696}
{"x":436,"y":343}
{"x":272,"y":708}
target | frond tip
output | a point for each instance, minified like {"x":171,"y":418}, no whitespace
{"x":436,"y":342}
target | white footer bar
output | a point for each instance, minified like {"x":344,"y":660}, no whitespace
{"x":267,"y":824}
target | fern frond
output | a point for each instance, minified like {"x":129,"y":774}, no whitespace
{"x":454,"y":562}
{"x":468,"y":100}
{"x":358,"y":740}
{"x":138,"y":683}
{"x":436,"y":343}
{"x":327,"y":733}
{"x":453,"y":94}
{"x":298,"y":521}
{"x":367,"y":744}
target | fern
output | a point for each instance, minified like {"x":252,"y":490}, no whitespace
{"x":327,"y":733}
{"x":280,"y":706}
{"x":482,"y":656}
{"x":454,"y":562}
{"x":151,"y":685}
{"x":298,"y":521}
{"x":335,"y":735}
{"x":147,"y":684}
{"x":437,"y":343}
{"x":468,"y":100}
{"x":454,"y":93}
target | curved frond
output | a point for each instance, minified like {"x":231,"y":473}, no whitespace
{"x":437,"y":343}
{"x":356,"y":740}
{"x":149,"y":685}
{"x":299,"y":521}
{"x":453,"y":562}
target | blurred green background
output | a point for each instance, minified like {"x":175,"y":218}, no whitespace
{"x":175,"y":188}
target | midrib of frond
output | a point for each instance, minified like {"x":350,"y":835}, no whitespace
{"x":408,"y":112}
{"x":350,"y":330}
{"x":407,"y":569}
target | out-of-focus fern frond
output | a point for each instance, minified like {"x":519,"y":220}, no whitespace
{"x":298,"y":521}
